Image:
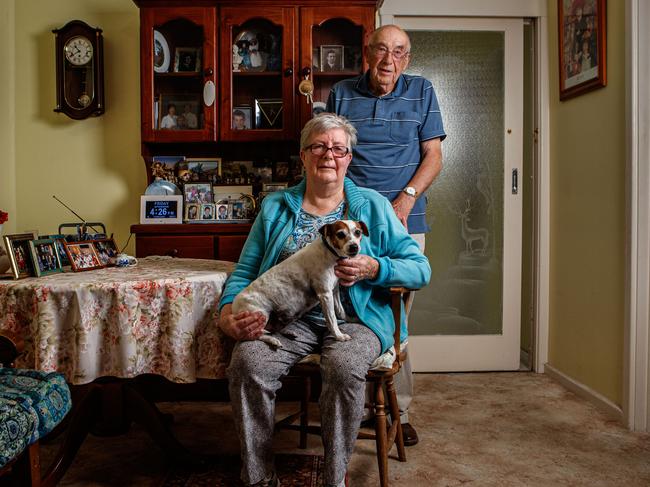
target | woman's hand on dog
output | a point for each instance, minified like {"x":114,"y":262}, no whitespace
{"x":243,"y":326}
{"x":352,"y":270}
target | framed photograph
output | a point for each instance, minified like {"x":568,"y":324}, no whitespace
{"x":582,"y":45}
{"x":207,"y":211}
{"x":20,"y":256}
{"x":197,"y":193}
{"x":352,"y":58}
{"x":315,"y":59}
{"x":331,"y":58}
{"x":204,"y":169}
{"x":270,"y":187}
{"x":187,"y":59}
{"x":83,"y":256}
{"x":59,"y":240}
{"x":45,"y":256}
{"x":241,"y":118}
{"x":224,"y":194}
{"x":192,"y":211}
{"x":268,"y":113}
{"x":106,"y":251}
{"x":318,"y":107}
{"x":281,"y":171}
{"x":238,"y":172}
{"x":238,"y":211}
{"x":223,"y":211}
{"x":180,"y":112}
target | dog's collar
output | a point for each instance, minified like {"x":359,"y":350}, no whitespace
{"x":330,"y":248}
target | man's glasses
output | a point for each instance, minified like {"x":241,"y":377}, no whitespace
{"x":321,"y":150}
{"x":382,"y":51}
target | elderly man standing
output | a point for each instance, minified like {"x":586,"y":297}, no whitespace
{"x":399,"y":146}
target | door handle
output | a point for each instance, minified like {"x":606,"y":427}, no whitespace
{"x":515,"y":181}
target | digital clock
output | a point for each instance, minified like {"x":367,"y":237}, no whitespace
{"x":161,"y":209}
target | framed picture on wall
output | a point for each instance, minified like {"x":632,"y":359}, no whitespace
{"x":582,"y":46}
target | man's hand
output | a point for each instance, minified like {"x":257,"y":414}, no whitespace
{"x":243,"y":326}
{"x":403,"y":205}
{"x":350,"y":271}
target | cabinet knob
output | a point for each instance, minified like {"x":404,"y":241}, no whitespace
{"x":208,"y":72}
{"x":288,"y":72}
{"x":306,"y":72}
{"x":173,"y":253}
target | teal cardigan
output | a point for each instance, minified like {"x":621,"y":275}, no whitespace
{"x":400,"y":261}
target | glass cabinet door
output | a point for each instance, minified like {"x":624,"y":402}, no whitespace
{"x":179,"y":94}
{"x":257,"y":74}
{"x":332,"y":43}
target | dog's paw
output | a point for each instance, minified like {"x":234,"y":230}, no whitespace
{"x":272,"y":342}
{"x":343,"y":337}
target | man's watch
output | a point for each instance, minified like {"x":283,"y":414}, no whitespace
{"x":411,"y":191}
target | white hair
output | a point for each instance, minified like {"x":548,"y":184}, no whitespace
{"x":323,"y":122}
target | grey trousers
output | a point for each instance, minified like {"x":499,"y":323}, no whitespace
{"x":404,"y":378}
{"x":254,"y":377}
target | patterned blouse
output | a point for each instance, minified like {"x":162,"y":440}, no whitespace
{"x":306,"y":231}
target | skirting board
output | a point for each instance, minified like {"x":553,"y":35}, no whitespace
{"x":581,"y":390}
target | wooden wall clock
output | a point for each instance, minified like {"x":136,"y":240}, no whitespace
{"x":79,"y":70}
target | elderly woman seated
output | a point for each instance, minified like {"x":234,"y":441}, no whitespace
{"x":289,"y":220}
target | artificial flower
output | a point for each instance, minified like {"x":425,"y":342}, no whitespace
{"x":4,"y":216}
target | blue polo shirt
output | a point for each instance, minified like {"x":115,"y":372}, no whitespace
{"x":390,"y":128}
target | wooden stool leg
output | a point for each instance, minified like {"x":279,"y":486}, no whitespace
{"x":304,"y":412}
{"x":26,"y":471}
{"x":395,"y":418}
{"x":381,"y":436}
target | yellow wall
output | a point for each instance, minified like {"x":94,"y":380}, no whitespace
{"x":588,"y":220}
{"x":93,"y":165}
{"x":7,"y":134}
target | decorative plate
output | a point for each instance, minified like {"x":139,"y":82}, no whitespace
{"x":162,"y":187}
{"x":161,"y":56}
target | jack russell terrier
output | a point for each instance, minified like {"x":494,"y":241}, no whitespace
{"x":294,"y":286}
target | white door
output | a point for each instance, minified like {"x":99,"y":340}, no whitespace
{"x":468,"y":318}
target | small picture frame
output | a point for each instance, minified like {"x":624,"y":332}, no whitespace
{"x":207,"y":211}
{"x":187,"y":59}
{"x":45,"y":257}
{"x":281,"y":171}
{"x":20,"y":256}
{"x":197,"y":193}
{"x":331,"y":58}
{"x":192,"y":212}
{"x":180,"y":112}
{"x":223,"y":212}
{"x":206,"y":169}
{"x":223,"y":194}
{"x":352,"y":58}
{"x":242,"y":118}
{"x":106,"y":251}
{"x":82,"y":256}
{"x":238,"y":212}
{"x":268,"y":113}
{"x":270,"y":187}
{"x":59,"y":240}
{"x":315,"y":59}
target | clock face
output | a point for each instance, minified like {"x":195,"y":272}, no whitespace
{"x":78,"y":50}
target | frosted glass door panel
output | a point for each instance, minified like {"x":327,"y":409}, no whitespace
{"x":468,"y":318}
{"x":465,"y":205}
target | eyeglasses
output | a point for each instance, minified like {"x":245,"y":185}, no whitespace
{"x":382,"y":51}
{"x":321,"y":150}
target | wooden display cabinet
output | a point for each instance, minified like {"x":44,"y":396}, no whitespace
{"x":252,"y":54}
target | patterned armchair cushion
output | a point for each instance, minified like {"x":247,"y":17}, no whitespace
{"x":32,"y":403}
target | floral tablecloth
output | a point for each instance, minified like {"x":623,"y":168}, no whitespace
{"x":158,"y":317}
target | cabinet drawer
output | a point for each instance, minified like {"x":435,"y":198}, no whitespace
{"x":194,"y":247}
{"x":229,"y":247}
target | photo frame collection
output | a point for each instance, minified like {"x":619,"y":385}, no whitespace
{"x":205,"y":203}
{"x":31,"y":256}
{"x":335,"y":58}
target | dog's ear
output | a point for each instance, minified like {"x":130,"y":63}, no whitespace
{"x":363,"y":227}
{"x":323,"y":230}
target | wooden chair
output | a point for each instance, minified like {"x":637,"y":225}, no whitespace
{"x":383,"y":394}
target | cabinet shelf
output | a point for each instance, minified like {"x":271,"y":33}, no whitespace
{"x":238,"y":74}
{"x":192,"y":74}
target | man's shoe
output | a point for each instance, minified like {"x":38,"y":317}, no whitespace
{"x":409,"y":434}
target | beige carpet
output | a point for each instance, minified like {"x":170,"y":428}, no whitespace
{"x":490,"y":429}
